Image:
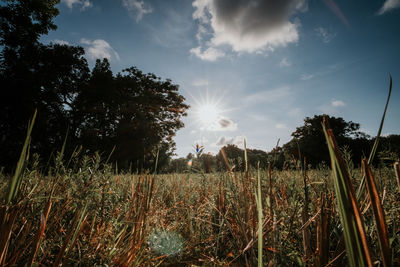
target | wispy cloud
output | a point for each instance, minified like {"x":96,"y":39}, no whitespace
{"x":210,"y":54}
{"x":325,"y":34}
{"x":172,"y":30}
{"x":137,"y":8}
{"x":269,"y":96}
{"x":83,"y":4}
{"x":99,"y":49}
{"x":200,"y":82}
{"x":60,"y":42}
{"x":306,"y":77}
{"x":334,"y":107}
{"x":388,"y":6}
{"x":285,"y":63}
{"x":337,"y":103}
{"x":245,"y":26}
{"x":281,"y":126}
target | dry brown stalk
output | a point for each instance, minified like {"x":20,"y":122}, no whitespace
{"x":379,"y":214}
{"x":39,"y":235}
{"x":7,"y":217}
{"x":397,"y":172}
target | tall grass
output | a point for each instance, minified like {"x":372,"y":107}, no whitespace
{"x":84,"y":212}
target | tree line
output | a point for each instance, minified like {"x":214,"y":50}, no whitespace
{"x":307,"y":145}
{"x":131,"y":113}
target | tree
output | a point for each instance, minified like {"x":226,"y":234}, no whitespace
{"x":136,"y":112}
{"x":149,"y":112}
{"x":310,"y":140}
{"x":35,"y":76}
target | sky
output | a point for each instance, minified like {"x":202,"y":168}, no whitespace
{"x":250,"y":69}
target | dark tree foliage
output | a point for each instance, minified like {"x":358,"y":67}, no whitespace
{"x":310,"y":140}
{"x":34,"y":76}
{"x":235,"y":157}
{"x":136,"y":112}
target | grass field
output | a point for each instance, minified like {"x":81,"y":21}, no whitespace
{"x":85,"y":214}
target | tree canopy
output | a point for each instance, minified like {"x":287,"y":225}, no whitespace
{"x":137,"y":113}
{"x":310,"y":140}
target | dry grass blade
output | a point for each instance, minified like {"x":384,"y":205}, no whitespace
{"x":304,"y":216}
{"x":378,"y":214}
{"x":397,"y":172}
{"x":40,"y":233}
{"x":7,"y":216}
{"x":361,"y":188}
{"x":72,"y":234}
{"x":322,"y":253}
{"x":350,"y":215}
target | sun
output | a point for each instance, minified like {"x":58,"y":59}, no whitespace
{"x":208,"y":115}
{"x":209,"y":111}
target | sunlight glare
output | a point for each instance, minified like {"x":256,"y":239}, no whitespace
{"x":208,"y":114}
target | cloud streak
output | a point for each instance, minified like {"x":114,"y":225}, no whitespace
{"x":137,"y":8}
{"x":324,"y":34}
{"x":82,"y":3}
{"x":285,"y":63}
{"x":245,"y":26}
{"x":388,"y":6}
{"x":337,"y":103}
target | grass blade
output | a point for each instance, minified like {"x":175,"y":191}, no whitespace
{"x":40,"y":233}
{"x":257,"y":195}
{"x":397,"y":172}
{"x":379,"y":214}
{"x":361,"y":188}
{"x":21,"y":165}
{"x":353,"y":227}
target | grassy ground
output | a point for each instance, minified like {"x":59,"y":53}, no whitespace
{"x":87,"y":215}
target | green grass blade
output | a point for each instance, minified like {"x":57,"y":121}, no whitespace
{"x":350,"y":216}
{"x":361,"y":188}
{"x":260,"y":218}
{"x":15,"y":182}
{"x":245,"y":156}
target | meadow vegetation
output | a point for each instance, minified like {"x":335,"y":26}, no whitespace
{"x":81,"y":211}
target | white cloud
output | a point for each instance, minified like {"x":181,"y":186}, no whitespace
{"x":281,"y":126}
{"x":246,"y":26}
{"x":60,"y":42}
{"x":325,"y":34}
{"x":337,"y":103}
{"x":306,"y":77}
{"x":285,"y":63}
{"x":210,"y":54}
{"x":226,"y":140}
{"x":99,"y":49}
{"x":137,"y":7}
{"x":82,"y":3}
{"x":389,"y":5}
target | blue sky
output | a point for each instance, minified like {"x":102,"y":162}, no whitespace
{"x":250,"y":69}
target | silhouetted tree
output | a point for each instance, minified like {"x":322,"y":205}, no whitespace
{"x":310,"y":140}
{"x":35,"y":76}
{"x":136,"y":112}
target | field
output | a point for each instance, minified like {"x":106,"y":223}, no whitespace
{"x":82,"y":213}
